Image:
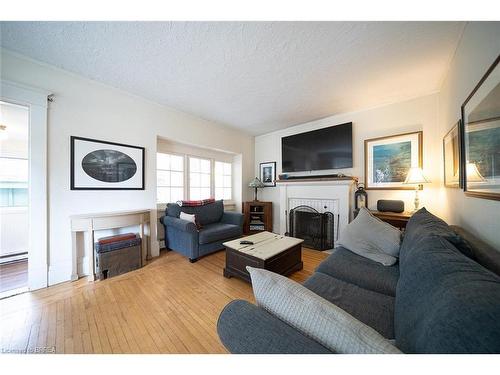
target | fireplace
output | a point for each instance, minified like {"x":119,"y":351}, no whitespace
{"x":314,"y":227}
{"x":324,"y":195}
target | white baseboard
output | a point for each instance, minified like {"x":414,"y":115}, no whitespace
{"x":60,"y":272}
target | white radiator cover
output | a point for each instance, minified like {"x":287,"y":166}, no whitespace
{"x":332,"y":196}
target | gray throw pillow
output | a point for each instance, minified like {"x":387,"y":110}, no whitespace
{"x":371,"y":238}
{"x":316,"y":317}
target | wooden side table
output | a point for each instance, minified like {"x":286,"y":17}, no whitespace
{"x":396,"y":219}
{"x":258,"y":217}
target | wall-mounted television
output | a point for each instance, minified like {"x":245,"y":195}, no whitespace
{"x":327,"y":148}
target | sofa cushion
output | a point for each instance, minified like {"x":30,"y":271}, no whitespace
{"x":247,"y":329}
{"x":218,"y":232}
{"x":207,"y":214}
{"x":371,"y":238}
{"x":484,"y":254}
{"x":352,"y":268}
{"x":422,"y":223}
{"x":446,"y":302}
{"x":373,"y":309}
{"x":314,"y":316}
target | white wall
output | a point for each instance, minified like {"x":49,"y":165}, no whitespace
{"x":412,"y":115}
{"x":478,"y":48}
{"x":86,"y":108}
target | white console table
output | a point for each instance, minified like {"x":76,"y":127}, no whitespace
{"x":89,"y":223}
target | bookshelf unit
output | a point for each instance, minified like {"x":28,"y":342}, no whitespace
{"x":258,"y":217}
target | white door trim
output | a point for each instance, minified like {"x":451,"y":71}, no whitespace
{"x":36,"y":100}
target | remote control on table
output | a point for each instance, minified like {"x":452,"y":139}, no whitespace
{"x":245,"y":242}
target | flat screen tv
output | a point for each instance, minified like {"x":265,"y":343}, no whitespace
{"x":327,"y":148}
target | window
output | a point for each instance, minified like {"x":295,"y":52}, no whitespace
{"x":192,"y":177}
{"x":169,"y":178}
{"x":13,"y":182}
{"x":200,"y":177}
{"x":223,"y":183}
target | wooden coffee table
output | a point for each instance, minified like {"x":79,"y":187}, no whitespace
{"x":270,"y":251}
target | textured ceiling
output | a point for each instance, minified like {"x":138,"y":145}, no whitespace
{"x":256,"y":76}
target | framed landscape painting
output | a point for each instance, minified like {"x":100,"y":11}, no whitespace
{"x":388,"y":159}
{"x":101,"y":165}
{"x":481,"y":137}
{"x":451,"y":157}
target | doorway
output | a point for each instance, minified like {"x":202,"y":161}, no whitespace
{"x":26,"y":184}
{"x":14,"y":198}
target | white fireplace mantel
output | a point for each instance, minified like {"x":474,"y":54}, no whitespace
{"x":325,"y":195}
{"x":87,"y":224}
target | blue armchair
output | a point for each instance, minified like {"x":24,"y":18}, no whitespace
{"x":217,"y":227}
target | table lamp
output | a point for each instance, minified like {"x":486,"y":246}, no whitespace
{"x":416,"y":177}
{"x":256,"y":184}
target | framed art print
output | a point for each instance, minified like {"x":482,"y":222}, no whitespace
{"x":481,"y":137}
{"x":101,"y":165}
{"x":451,"y":157}
{"x":268,"y":173}
{"x":388,"y":159}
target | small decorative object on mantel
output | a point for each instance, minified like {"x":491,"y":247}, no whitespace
{"x":360,"y":197}
{"x":480,"y":133}
{"x":256,"y":184}
{"x":451,"y":157}
{"x":416,"y":177}
{"x":101,"y":165}
{"x":268,"y":173}
{"x":388,"y":159}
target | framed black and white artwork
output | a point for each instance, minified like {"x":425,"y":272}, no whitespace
{"x":268,"y":173}
{"x":101,"y":165}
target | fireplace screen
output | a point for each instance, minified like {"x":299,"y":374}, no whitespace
{"x":315,"y":228}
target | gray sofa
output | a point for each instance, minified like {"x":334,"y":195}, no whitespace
{"x":442,"y":297}
{"x":218,"y":226}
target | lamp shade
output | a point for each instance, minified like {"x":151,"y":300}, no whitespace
{"x":416,"y":176}
{"x":256,"y":183}
{"x":473,"y":174}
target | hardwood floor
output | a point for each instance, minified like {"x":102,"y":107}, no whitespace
{"x":168,"y":306}
{"x":13,"y":275}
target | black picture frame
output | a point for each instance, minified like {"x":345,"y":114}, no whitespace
{"x":74,"y":186}
{"x":463,"y":135}
{"x":263,"y":172}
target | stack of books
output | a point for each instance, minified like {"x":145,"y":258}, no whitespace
{"x":256,"y":222}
